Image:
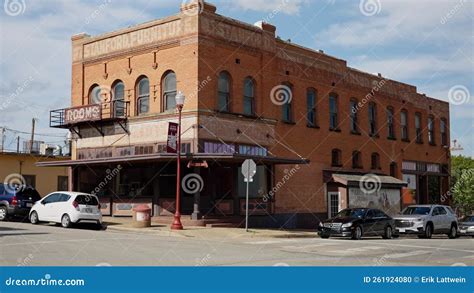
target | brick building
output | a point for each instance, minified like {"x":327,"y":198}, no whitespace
{"x":320,"y":131}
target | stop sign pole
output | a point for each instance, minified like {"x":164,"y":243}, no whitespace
{"x":249,"y":168}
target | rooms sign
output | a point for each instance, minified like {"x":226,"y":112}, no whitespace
{"x":81,"y":114}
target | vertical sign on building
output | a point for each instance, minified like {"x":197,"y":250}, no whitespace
{"x":171,"y":146}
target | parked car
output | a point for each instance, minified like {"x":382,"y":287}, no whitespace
{"x":16,"y":201}
{"x":466,"y":226}
{"x":356,"y":223}
{"x":426,"y":220}
{"x":67,"y":208}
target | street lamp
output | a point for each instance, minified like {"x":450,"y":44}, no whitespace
{"x":177,"y":215}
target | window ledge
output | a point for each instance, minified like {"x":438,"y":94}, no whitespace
{"x":405,"y":140}
{"x":374,"y":135}
{"x":419,"y":142}
{"x":391,"y":138}
{"x":432,"y":144}
{"x":288,"y":122}
{"x":337,"y":166}
{"x":312,"y":126}
{"x":335,"y":129}
{"x":356,"y":132}
{"x":357,"y":167}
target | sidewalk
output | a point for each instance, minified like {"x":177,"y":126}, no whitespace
{"x":125,"y":224}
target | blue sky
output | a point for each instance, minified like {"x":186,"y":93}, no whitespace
{"x":429,"y":44}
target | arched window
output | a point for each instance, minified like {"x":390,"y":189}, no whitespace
{"x":354,"y":116}
{"x":404,"y":124}
{"x":375,"y":161}
{"x":95,"y":94}
{"x":118,"y":91}
{"x":143,"y":95}
{"x":333,"y":112}
{"x":223,"y":99}
{"x":311,"y":110}
{"x":372,"y":119}
{"x":336,"y":158}
{"x":444,"y":135}
{"x":390,"y":124}
{"x":249,"y":96}
{"x":419,"y":137}
{"x":356,"y":160}
{"x":431,"y":138}
{"x":169,"y":91}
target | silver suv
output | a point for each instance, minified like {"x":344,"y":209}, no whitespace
{"x":426,"y":220}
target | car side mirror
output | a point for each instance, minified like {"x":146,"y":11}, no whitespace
{"x":43,"y":202}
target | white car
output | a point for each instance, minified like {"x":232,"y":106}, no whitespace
{"x":67,"y":208}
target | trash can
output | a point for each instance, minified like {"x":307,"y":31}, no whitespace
{"x":141,"y":216}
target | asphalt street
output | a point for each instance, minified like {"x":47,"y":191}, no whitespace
{"x":23,"y":244}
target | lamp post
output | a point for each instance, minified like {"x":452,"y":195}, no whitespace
{"x":177,"y":215}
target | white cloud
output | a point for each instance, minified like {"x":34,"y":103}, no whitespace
{"x":291,"y":7}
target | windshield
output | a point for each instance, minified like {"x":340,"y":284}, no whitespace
{"x":468,"y":219}
{"x":416,"y":211}
{"x":352,"y":213}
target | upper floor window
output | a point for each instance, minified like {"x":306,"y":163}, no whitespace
{"x":143,"y":95}
{"x":249,"y":96}
{"x":419,"y":137}
{"x":444,"y":135}
{"x":336,"y":160}
{"x":390,"y":125}
{"x":354,"y":116}
{"x":118,"y":91}
{"x":333,"y":112}
{"x":375,"y":161}
{"x":169,"y":91}
{"x":431,"y":138}
{"x":404,"y":124}
{"x":95,"y":94}
{"x":223,"y":99}
{"x":356,"y":160}
{"x":372,"y":119}
{"x":311,"y":107}
{"x":393,"y":169}
{"x":286,"y":108}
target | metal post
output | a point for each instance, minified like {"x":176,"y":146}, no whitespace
{"x":177,"y":215}
{"x":247,"y":202}
{"x":32,"y":135}
{"x":3,"y":139}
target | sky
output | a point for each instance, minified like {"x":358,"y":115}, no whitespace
{"x":426,"y":43}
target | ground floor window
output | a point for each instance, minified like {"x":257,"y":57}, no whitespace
{"x":30,"y":180}
{"x":62,"y":183}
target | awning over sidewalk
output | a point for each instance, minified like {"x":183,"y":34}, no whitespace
{"x":355,"y":180}
{"x":231,"y":158}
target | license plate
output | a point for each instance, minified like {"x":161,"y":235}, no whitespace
{"x":463,"y":231}
{"x":29,"y":204}
{"x":401,"y":230}
{"x":87,"y":210}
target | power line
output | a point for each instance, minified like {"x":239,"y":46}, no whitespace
{"x":36,"y":134}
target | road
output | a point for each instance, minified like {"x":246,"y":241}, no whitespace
{"x":23,"y":244}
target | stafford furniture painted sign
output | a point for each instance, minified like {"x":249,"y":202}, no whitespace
{"x":387,"y":200}
{"x":81,"y":114}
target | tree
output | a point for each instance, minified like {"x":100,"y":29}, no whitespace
{"x":459,"y":165}
{"x":463,"y":191}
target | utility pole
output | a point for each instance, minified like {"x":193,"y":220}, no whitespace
{"x":3,"y":138}
{"x":32,"y":134}
{"x":18,"y":144}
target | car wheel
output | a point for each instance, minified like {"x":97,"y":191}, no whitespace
{"x":3,"y":213}
{"x":428,"y":231}
{"x":34,"y":218}
{"x":396,"y":236}
{"x":453,"y":232}
{"x":357,"y":233}
{"x":388,"y":233}
{"x":324,"y":236}
{"x":66,"y":221}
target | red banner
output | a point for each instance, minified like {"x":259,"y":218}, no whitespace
{"x":171,"y":144}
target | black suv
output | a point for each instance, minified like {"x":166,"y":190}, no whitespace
{"x":358,"y":222}
{"x":16,"y":201}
